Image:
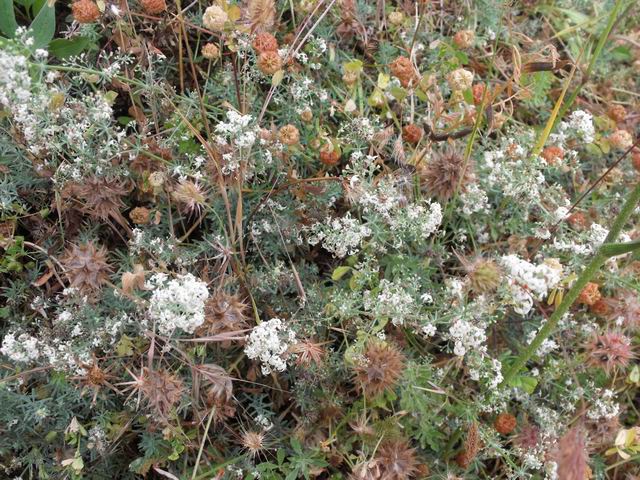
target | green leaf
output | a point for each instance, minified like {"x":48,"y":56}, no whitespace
{"x":339,"y":272}
{"x":528,"y":384}
{"x":8,"y":24}
{"x":68,"y":47}
{"x":43,"y":26}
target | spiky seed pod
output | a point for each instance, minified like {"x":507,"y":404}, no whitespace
{"x":223,"y":312}
{"x":289,"y":135}
{"x":380,"y":368}
{"x":484,"y":275}
{"x":190,"y":195}
{"x":269,"y":62}
{"x":210,"y":51}
{"x":552,"y":154}
{"x":610,"y":350}
{"x":590,"y":294}
{"x":252,"y":442}
{"x":161,"y":390}
{"x":99,"y":197}
{"x":444,"y":173}
{"x":86,"y":266}
{"x":528,"y":437}
{"x":153,"y":7}
{"x":403,"y":70}
{"x":505,"y":423}
{"x":85,"y":11}
{"x":464,"y":38}
{"x":265,"y":42}
{"x":617,"y":113}
{"x":571,"y":455}
{"x":398,"y":460}
{"x":214,"y":18}
{"x":625,"y":306}
{"x":600,"y":308}
{"x":412,"y":133}
{"x":261,"y":15}
{"x":367,"y":470}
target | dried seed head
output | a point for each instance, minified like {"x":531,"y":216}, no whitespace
{"x":140,"y":215}
{"x":444,"y":173}
{"x":252,"y":442}
{"x":484,"y":275}
{"x":161,"y":389}
{"x":190,"y":195}
{"x":223,"y":313}
{"x":590,"y":294}
{"x":214,"y":18}
{"x":397,"y":459}
{"x":625,"y":308}
{"x":380,"y":368}
{"x":621,"y":139}
{"x":86,"y":266}
{"x":460,"y":80}
{"x":464,"y":38}
{"x":265,"y":42}
{"x":403,"y":70}
{"x":617,"y":113}
{"x":269,"y":62}
{"x":470,"y":448}
{"x":289,"y":135}
{"x":85,"y":11}
{"x":210,"y":51}
{"x":99,"y":197}
{"x":261,"y":15}
{"x":153,"y":7}
{"x":396,"y":18}
{"x":609,"y":351}
{"x":412,"y":133}
{"x":552,"y":155}
{"x":505,"y":423}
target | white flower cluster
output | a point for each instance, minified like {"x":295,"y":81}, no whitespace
{"x":340,"y":236}
{"x":237,"y":130}
{"x":581,"y":124}
{"x":177,"y":303}
{"x":474,"y":200}
{"x":604,"y":406}
{"x":392,"y":300}
{"x":516,"y":174}
{"x":269,"y":342}
{"x":467,"y":336}
{"x":21,"y":349}
{"x":416,"y":221}
{"x":528,"y":281}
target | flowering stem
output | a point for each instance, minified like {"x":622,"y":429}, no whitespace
{"x":607,"y":250}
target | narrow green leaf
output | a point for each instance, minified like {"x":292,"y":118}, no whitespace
{"x":339,"y":272}
{"x":8,"y":24}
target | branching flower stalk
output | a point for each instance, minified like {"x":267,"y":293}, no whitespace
{"x":607,"y":250}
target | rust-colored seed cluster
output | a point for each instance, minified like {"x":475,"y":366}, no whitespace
{"x":85,"y":11}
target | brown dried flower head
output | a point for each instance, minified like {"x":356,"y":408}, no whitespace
{"x":412,"y":133}
{"x":161,"y":389}
{"x":617,"y":113}
{"x":265,"y":42}
{"x":621,"y":139}
{"x":289,"y":135}
{"x":210,"y":51}
{"x":86,"y":266}
{"x":224,"y":313}
{"x":505,"y":423}
{"x":140,"y":215}
{"x":590,"y":294}
{"x":99,"y":197}
{"x":445,"y":173}
{"x":464,"y":38}
{"x":403,"y":70}
{"x":397,"y":459}
{"x":380,"y":368}
{"x":552,"y":154}
{"x":85,"y":11}
{"x":269,"y":62}
{"x":253,"y":442}
{"x":470,"y":448}
{"x":153,"y":7}
{"x":190,"y":195}
{"x":484,"y":275}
